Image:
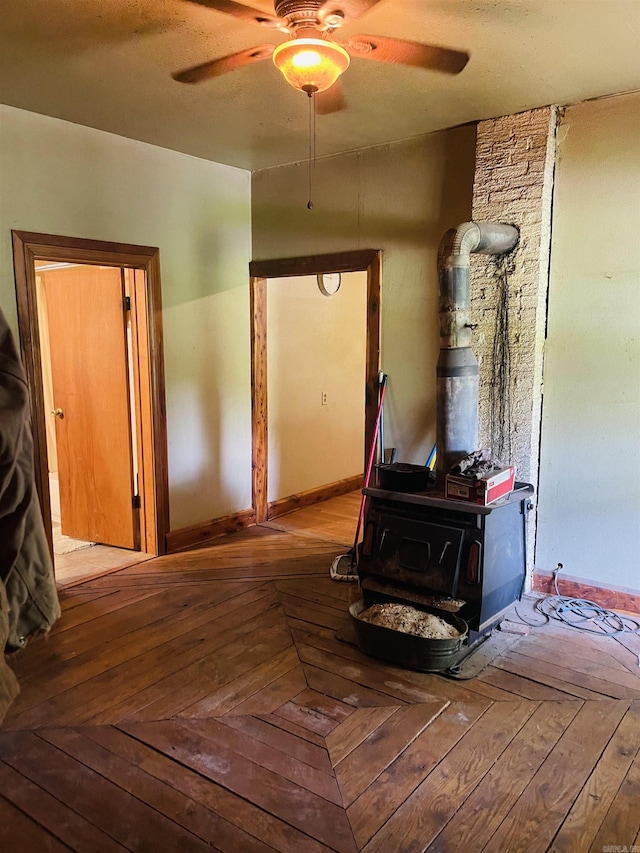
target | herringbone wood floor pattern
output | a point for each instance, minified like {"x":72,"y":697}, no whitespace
{"x":202,"y":702}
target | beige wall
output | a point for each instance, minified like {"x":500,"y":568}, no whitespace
{"x":589,"y":502}
{"x":60,"y":178}
{"x":315,"y":345}
{"x":63,"y":179}
{"x":400,"y":198}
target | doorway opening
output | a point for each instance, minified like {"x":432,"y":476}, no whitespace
{"x":89,"y":317}
{"x":367,"y":261}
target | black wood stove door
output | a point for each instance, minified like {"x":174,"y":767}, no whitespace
{"x":422,"y":554}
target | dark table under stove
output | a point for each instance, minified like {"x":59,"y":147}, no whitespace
{"x":427,"y":548}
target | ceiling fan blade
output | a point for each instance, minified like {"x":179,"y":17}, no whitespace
{"x":225,"y":64}
{"x":332,"y":100}
{"x":401,"y":52}
{"x":239,"y":10}
{"x":348,"y":9}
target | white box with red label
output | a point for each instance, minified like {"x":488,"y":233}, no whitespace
{"x":481,"y":490}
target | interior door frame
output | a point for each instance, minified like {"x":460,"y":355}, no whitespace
{"x":369,"y":260}
{"x":146,"y":320}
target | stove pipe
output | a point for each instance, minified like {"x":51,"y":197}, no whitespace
{"x":457,"y":389}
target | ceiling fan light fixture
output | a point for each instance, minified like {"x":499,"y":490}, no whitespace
{"x":311,"y":65}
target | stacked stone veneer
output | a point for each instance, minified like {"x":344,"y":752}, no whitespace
{"x":515,"y":158}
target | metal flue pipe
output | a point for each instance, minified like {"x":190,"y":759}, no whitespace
{"x":457,"y":372}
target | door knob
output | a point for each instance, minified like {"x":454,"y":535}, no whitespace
{"x":57,"y":413}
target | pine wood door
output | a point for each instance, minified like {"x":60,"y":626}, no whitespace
{"x":88,"y":339}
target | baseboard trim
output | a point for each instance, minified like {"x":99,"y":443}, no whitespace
{"x":207,"y":531}
{"x":612,"y":599}
{"x":283,"y":506}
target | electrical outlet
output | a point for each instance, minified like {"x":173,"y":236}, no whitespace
{"x":325,"y":398}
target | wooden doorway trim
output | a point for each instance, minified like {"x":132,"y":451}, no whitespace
{"x":369,"y":260}
{"x":146,"y":316}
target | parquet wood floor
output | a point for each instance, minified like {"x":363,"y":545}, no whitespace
{"x":201,"y":701}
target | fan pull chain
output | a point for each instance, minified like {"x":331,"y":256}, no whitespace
{"x":312,"y":144}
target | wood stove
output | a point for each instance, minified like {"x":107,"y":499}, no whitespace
{"x":447,"y":555}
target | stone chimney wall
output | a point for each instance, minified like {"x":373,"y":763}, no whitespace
{"x":515,"y":160}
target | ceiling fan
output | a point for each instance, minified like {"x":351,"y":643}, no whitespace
{"x":312,"y":60}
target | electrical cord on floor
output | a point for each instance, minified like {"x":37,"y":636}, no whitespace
{"x":576,"y":612}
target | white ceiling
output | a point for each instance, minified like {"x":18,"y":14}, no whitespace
{"x":108,"y":63}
